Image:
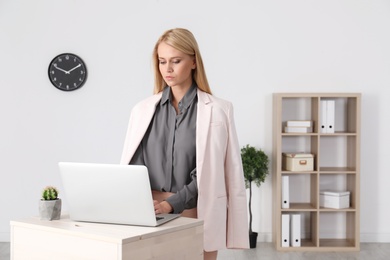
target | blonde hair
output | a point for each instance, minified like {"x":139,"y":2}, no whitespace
{"x":184,"y":41}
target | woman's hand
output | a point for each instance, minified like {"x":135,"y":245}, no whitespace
{"x":162,"y":207}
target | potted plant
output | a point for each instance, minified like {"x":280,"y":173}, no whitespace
{"x":255,"y":166}
{"x":50,"y":204}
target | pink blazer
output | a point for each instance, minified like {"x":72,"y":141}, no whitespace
{"x":222,"y":202}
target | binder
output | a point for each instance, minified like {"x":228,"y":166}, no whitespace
{"x":330,"y":114}
{"x":285,"y":230}
{"x":285,"y":192}
{"x":323,"y":117}
{"x":295,"y":230}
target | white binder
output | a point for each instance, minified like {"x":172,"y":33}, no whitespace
{"x":285,"y":192}
{"x":327,"y":116}
{"x":323,"y":124}
{"x":295,"y":230}
{"x":330,"y":114}
{"x":285,"y":230}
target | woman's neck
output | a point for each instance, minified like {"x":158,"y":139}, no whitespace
{"x":178,"y":94}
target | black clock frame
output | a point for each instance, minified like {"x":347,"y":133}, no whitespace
{"x":51,"y":67}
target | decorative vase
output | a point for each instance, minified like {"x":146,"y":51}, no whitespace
{"x":253,"y":240}
{"x":50,"y":209}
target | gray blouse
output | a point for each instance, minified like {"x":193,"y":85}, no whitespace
{"x":168,"y":150}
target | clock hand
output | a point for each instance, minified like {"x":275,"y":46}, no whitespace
{"x":55,"y":66}
{"x":74,"y":68}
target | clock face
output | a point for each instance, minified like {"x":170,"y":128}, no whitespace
{"x":67,"y":72}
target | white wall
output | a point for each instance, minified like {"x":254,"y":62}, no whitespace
{"x":251,"y":49}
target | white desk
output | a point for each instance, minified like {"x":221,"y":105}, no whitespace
{"x":32,"y":238}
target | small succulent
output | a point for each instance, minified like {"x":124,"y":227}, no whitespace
{"x":49,"y":193}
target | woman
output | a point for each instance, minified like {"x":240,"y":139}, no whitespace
{"x":187,"y":139}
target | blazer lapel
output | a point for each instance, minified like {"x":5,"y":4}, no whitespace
{"x":203,"y":123}
{"x":139,"y":124}
{"x":143,"y":122}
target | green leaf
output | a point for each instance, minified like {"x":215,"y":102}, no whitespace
{"x":255,"y":165}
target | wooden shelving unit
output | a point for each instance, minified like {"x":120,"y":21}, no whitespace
{"x":336,"y":167}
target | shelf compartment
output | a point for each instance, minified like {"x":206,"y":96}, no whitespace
{"x":337,"y":152}
{"x":300,"y":108}
{"x":346,"y":109}
{"x":338,"y":230}
{"x":301,"y":144}
{"x":340,"y":182}
{"x":309,"y":231}
{"x":307,"y":198}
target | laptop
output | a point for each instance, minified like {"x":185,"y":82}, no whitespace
{"x":110,"y":193}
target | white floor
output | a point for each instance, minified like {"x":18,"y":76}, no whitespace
{"x":369,"y":251}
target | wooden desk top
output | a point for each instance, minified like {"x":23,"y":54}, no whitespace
{"x":122,"y":234}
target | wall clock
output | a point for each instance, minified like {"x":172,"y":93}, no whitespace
{"x":67,"y":72}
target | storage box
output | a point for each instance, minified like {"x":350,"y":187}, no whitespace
{"x":334,"y":199}
{"x":298,"y":161}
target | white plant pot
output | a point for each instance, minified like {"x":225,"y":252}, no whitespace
{"x":50,"y":209}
